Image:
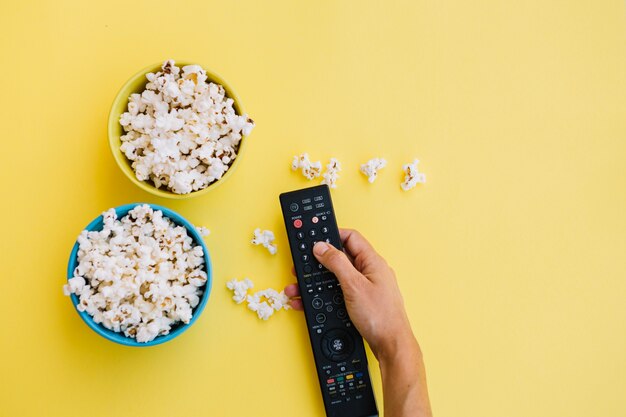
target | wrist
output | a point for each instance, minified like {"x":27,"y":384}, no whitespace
{"x":398,"y":347}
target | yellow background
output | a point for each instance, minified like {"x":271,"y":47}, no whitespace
{"x":512,"y":258}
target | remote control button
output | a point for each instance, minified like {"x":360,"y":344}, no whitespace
{"x":320,"y":318}
{"x":300,"y":235}
{"x":319,"y":205}
{"x":305,"y":258}
{"x":319,"y":288}
{"x":302,"y":246}
{"x":309,"y":207}
{"x":297,"y":223}
{"x":309,"y":291}
{"x":327,"y":240}
{"x":294,"y":207}
{"x":307,"y":269}
{"x":306,"y":201}
{"x":315,"y":219}
{"x":328,"y":372}
{"x":338,"y":298}
{"x":330,"y":381}
{"x":329,"y":308}
{"x":337,"y":345}
{"x":318,"y":198}
{"x":320,"y":266}
{"x":312,"y":233}
{"x":330,"y":286}
{"x":325,"y":230}
{"x":324,"y":218}
{"x":317,"y":303}
{"x":342,"y":369}
{"x":307,"y":280}
{"x":341,"y":314}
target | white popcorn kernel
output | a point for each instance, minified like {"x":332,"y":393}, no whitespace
{"x":140,"y":276}
{"x":371,"y":167}
{"x":203,"y":231}
{"x":309,"y":169}
{"x":74,"y":285}
{"x":265,"y":238}
{"x":332,"y":173}
{"x":182,"y":132}
{"x":265,"y":302}
{"x":263,"y":310}
{"x":240,"y":289}
{"x":412,"y":175}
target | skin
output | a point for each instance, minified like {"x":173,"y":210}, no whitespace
{"x":376,"y":308}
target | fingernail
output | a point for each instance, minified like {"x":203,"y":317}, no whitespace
{"x":320,"y":248}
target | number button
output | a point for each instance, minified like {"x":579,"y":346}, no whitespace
{"x":302,"y":246}
{"x":305,"y":258}
{"x":300,"y":235}
{"x":312,"y":233}
{"x":325,"y":230}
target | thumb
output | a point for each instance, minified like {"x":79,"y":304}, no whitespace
{"x":336,"y":262}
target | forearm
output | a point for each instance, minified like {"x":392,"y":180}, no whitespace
{"x":404,"y":379}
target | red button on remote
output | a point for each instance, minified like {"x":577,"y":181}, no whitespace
{"x":297,"y":223}
{"x":315,"y":219}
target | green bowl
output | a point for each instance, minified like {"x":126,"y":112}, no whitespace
{"x":137,"y":84}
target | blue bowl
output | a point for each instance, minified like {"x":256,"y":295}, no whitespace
{"x":96,"y":225}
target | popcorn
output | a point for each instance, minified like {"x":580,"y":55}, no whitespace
{"x":332,"y":173}
{"x":265,"y":238}
{"x":203,"y":231}
{"x":182,"y":132}
{"x":413,"y":176}
{"x":140,"y":275}
{"x":309,"y":169}
{"x":240,"y":288}
{"x":371,"y":167}
{"x":265,"y":302}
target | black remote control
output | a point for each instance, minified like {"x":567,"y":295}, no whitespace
{"x":337,"y":346}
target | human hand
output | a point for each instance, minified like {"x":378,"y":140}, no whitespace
{"x":370,"y":291}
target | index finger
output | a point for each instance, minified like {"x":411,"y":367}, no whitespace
{"x":358,"y":248}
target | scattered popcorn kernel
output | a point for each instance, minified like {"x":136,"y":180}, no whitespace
{"x":412,"y":176}
{"x":203,"y":231}
{"x":265,"y":302}
{"x":140,"y":275}
{"x":332,"y":173}
{"x":371,"y":167}
{"x":265,"y":238}
{"x":309,"y":169}
{"x":240,"y":289}
{"x":182,"y":132}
